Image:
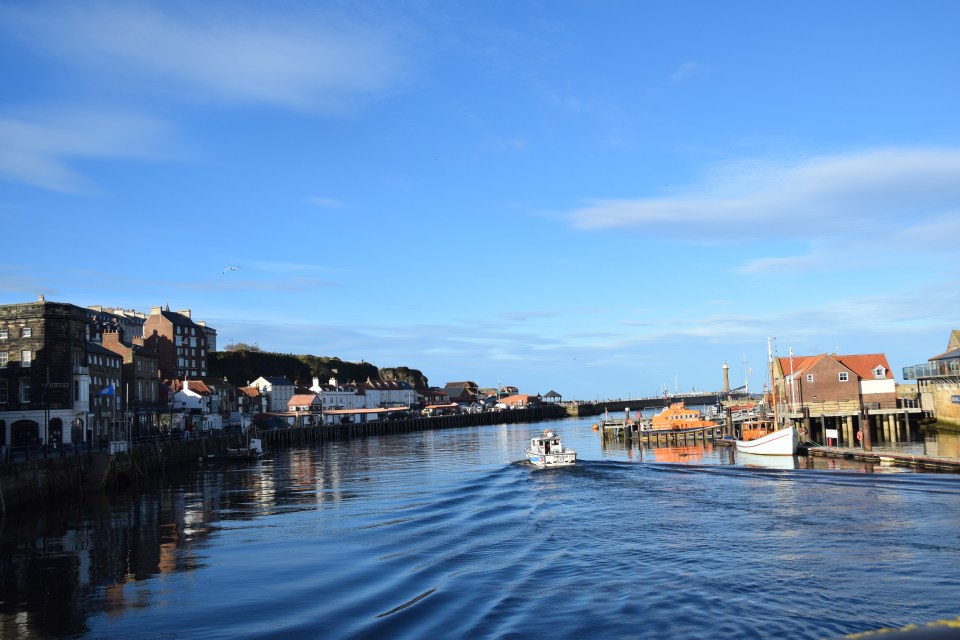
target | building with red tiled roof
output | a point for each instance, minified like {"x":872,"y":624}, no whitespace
{"x":832,"y":382}
{"x":519,"y":401}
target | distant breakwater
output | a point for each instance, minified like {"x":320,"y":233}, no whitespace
{"x":582,"y":409}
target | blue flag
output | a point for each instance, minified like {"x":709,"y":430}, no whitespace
{"x":106,"y":391}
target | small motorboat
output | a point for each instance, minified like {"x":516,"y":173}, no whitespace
{"x":546,"y":450}
{"x":253,"y":451}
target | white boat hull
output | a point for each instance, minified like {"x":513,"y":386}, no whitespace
{"x":782,"y":442}
{"x":562,"y":459}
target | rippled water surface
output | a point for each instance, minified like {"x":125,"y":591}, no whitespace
{"x":444,"y":534}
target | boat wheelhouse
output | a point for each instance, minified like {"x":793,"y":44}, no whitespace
{"x":546,"y":450}
{"x":679,"y":416}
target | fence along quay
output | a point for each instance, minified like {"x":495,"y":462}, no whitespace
{"x":49,"y":476}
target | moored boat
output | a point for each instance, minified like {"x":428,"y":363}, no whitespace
{"x":546,"y":450}
{"x":763,"y":437}
{"x":767,"y":437}
{"x":678,"y":416}
{"x":253,"y":451}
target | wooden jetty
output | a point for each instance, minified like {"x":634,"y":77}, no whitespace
{"x":641,"y":433}
{"x":887,"y":458}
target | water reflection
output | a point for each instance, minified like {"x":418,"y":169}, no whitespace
{"x":66,"y":569}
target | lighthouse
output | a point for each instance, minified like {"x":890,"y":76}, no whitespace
{"x":726,"y":378}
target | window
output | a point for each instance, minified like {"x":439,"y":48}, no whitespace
{"x":4,"y":357}
{"x":843,"y":376}
{"x":3,"y":391}
{"x":26,"y":332}
{"x":26,"y":357}
{"x":810,"y":377}
{"x":879,"y":372}
{"x":3,"y":334}
{"x":24,"y":390}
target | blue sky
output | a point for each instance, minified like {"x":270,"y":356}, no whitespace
{"x":601,"y":198}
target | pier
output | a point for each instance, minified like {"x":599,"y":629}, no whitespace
{"x":886,"y":458}
{"x":640,"y":433}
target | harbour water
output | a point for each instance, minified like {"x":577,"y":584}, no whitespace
{"x":447,"y":534}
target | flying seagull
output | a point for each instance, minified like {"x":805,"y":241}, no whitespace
{"x":233,"y":268}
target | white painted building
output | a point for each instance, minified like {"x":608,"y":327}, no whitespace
{"x":384,"y":394}
{"x":335,"y":396}
{"x":277,"y":389}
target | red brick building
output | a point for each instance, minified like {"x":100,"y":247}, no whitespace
{"x":832,"y":382}
{"x":181,"y":344}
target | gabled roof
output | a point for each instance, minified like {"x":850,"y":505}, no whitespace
{"x":864,"y":365}
{"x":177,"y":318}
{"x":389,"y":385}
{"x":217,"y":383}
{"x":954,"y":341}
{"x":93,"y":347}
{"x":302,"y":399}
{"x":861,"y":365}
{"x":517,"y":398}
{"x":800,"y":364}
{"x":250,"y":392}
{"x":947,"y":355}
{"x":467,"y":384}
{"x":339,"y":388}
{"x":195,"y":386}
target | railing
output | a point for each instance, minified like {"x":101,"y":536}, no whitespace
{"x":38,"y":452}
{"x":941,"y":368}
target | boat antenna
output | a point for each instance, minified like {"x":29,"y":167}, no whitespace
{"x":746,"y":377}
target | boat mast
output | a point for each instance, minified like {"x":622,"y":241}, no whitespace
{"x":773,"y":387}
{"x":793,"y":396}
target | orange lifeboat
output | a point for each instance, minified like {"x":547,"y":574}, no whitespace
{"x":678,"y":416}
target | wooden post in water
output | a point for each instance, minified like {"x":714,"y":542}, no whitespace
{"x":865,"y":430}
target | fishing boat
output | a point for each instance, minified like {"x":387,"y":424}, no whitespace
{"x":678,"y":416}
{"x":765,"y":437}
{"x":547,"y":450}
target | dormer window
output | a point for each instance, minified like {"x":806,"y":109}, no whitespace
{"x":879,"y":372}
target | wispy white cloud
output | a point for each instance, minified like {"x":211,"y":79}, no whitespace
{"x":288,"y":267}
{"x":522,"y":316}
{"x":38,"y":150}
{"x":784,"y":264}
{"x":296,"y":58}
{"x":686,"y":70}
{"x":868,"y":194}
